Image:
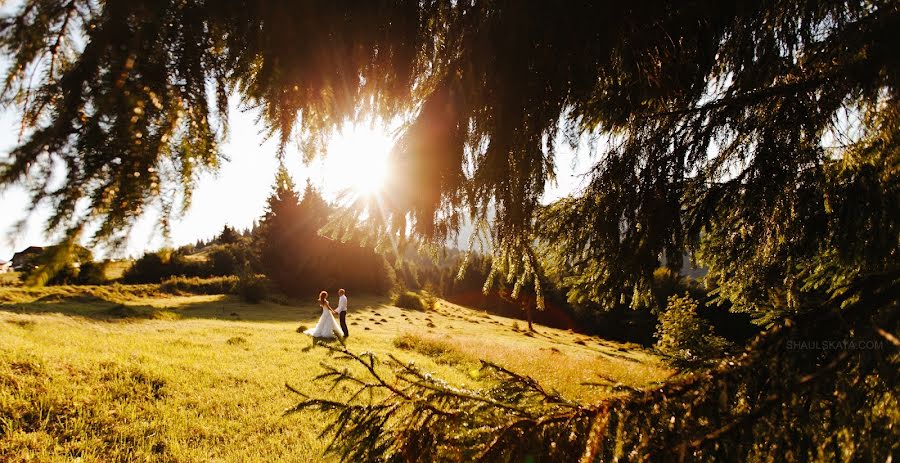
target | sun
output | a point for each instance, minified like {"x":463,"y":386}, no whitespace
{"x":357,"y":158}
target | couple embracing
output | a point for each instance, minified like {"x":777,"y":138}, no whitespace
{"x":327,"y":326}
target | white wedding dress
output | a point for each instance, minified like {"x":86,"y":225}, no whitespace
{"x":326,"y":327}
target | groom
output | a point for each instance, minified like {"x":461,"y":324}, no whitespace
{"x":342,"y":310}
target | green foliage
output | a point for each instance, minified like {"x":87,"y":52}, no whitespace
{"x":793,"y":396}
{"x":122,"y":96}
{"x":220,"y":260}
{"x":724,"y":149}
{"x":228,"y":236}
{"x":253,"y":288}
{"x":760,"y":135}
{"x":428,"y":299}
{"x":413,"y":301}
{"x":686,"y":337}
{"x":151,"y":267}
{"x":68,"y":274}
{"x":56,"y":264}
{"x":715,"y":139}
{"x":93,"y":273}
{"x":196,"y":285}
{"x":223,"y":261}
{"x":666,"y":283}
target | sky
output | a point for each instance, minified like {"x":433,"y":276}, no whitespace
{"x":236,"y":194}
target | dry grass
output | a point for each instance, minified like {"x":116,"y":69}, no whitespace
{"x":128,"y":373}
{"x":9,"y":279}
{"x":559,"y":359}
{"x":117,"y":268}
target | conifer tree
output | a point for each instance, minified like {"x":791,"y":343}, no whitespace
{"x":228,"y":235}
{"x":761,"y":136}
{"x":279,"y":227}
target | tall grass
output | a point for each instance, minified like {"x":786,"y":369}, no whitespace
{"x":157,"y":377}
{"x":196,"y":285}
{"x":49,"y":410}
{"x":414,"y":301}
{"x":118,"y":292}
{"x":441,"y":351}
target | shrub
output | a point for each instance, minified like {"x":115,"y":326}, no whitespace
{"x":236,"y":341}
{"x":149,"y":268}
{"x":685,"y":336}
{"x":253,"y":288}
{"x":667,"y":283}
{"x":68,"y":274}
{"x":194,"y":285}
{"x":413,"y":301}
{"x":440,"y":351}
{"x":182,"y":265}
{"x":428,"y":298}
{"x":92,"y":273}
{"x":223,"y":260}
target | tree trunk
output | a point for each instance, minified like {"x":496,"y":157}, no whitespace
{"x":528,"y":315}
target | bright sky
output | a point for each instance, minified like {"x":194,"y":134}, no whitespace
{"x":236,"y":195}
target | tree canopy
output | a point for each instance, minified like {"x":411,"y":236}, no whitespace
{"x":761,"y":134}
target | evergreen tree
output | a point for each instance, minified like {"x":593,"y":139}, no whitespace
{"x":726,"y":123}
{"x":296,"y":256}
{"x":228,"y":236}
{"x":761,"y":136}
{"x":279,"y":226}
{"x":313,"y":210}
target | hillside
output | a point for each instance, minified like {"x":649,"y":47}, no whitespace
{"x":131,"y":374}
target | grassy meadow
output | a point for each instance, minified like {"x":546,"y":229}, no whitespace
{"x":131,"y":373}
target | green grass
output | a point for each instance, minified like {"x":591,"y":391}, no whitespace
{"x":129,"y":373}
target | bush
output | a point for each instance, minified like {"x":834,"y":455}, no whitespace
{"x":225,"y":260}
{"x":428,"y":298}
{"x":92,"y":273}
{"x":685,"y":336}
{"x":68,"y":274}
{"x":253,"y":288}
{"x":152,"y":267}
{"x":440,"y":351}
{"x":222,"y":260}
{"x":413,"y":301}
{"x":194,"y":285}
{"x":667,"y":283}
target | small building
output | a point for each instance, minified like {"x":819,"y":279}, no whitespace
{"x":22,"y":261}
{"x":5,"y":266}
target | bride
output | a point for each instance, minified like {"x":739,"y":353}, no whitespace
{"x":327,"y":326}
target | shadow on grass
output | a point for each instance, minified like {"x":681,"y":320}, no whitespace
{"x":216,"y":307}
{"x":97,"y":310}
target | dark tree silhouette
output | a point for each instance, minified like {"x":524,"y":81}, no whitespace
{"x":228,"y":236}
{"x":762,"y":136}
{"x":302,"y":261}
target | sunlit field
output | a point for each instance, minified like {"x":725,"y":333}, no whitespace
{"x":128,"y":373}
